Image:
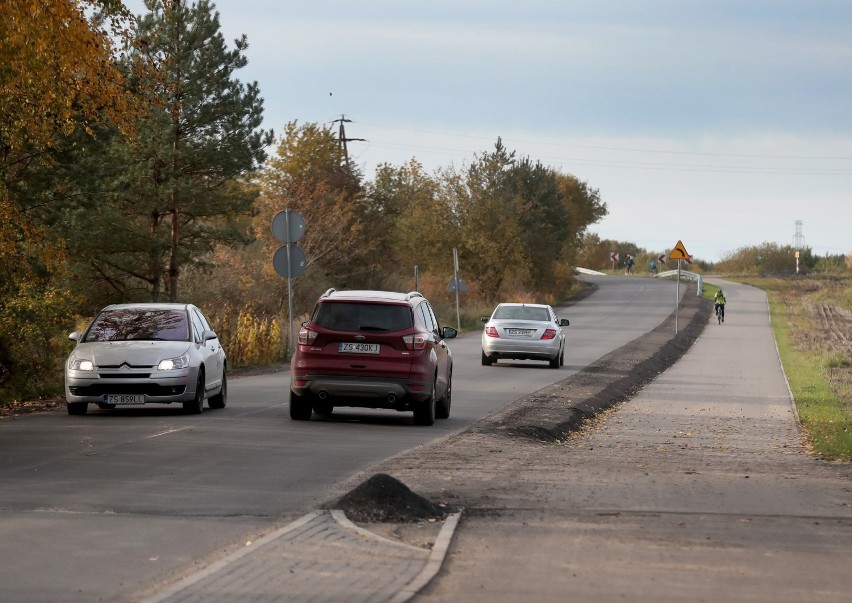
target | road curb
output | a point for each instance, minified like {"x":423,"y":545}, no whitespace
{"x":435,"y":562}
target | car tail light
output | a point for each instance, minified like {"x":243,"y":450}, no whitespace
{"x":306,"y":336}
{"x":548,"y":334}
{"x":416,"y":341}
{"x":491,"y":332}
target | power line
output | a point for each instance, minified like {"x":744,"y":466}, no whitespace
{"x":647,"y":165}
{"x":616,"y":148}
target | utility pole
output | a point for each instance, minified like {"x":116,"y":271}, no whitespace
{"x":798,"y":237}
{"x":342,"y":140}
{"x":798,"y":242}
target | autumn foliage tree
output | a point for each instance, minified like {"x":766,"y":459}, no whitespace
{"x":57,"y":77}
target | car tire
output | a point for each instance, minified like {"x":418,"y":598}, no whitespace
{"x":300,"y":407}
{"x":554,"y":362}
{"x":323,"y":408}
{"x":562,"y":357}
{"x":442,"y":411}
{"x":486,"y":360}
{"x":77,"y":408}
{"x":196,"y":405}
{"x":424,"y":412}
{"x":220,"y":400}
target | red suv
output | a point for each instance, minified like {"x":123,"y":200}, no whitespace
{"x":372,"y":349}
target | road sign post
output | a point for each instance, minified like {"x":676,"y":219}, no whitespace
{"x":289,"y":261}
{"x":457,"y":285}
{"x":678,"y":253}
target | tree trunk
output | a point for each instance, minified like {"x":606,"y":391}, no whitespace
{"x":155,"y":266}
{"x":173,"y":260}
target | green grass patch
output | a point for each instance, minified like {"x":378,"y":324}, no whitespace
{"x":826,"y":418}
{"x":708,"y":291}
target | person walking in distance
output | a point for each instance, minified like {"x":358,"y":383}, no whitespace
{"x":719,"y":302}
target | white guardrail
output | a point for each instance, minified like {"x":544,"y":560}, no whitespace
{"x":684,"y":274}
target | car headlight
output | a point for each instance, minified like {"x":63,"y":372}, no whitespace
{"x":169,"y":364}
{"x":79,"y":364}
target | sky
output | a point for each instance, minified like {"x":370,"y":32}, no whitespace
{"x":716,"y":123}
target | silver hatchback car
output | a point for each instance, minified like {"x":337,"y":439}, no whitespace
{"x":137,"y":354}
{"x":524,"y":332}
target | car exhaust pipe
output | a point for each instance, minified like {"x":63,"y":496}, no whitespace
{"x":391,"y":398}
{"x":323,"y":395}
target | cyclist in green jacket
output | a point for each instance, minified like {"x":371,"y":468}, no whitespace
{"x":719,"y":301}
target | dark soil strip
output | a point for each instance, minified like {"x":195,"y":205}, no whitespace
{"x":554,"y":412}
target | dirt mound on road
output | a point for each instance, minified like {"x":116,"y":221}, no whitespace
{"x":385,"y":499}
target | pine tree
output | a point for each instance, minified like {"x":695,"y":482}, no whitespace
{"x":183,"y":182}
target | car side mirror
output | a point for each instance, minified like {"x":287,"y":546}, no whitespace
{"x":207,"y":335}
{"x":449,"y":332}
{"x":564,"y":322}
{"x":486,"y":318}
{"x":76,"y":336}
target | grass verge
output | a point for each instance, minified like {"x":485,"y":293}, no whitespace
{"x":819,"y":375}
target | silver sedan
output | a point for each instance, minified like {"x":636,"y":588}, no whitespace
{"x":524,"y":332}
{"x":136,"y":354}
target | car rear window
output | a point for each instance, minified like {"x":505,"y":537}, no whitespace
{"x":136,"y":323}
{"x":361,"y":316}
{"x":521,"y":313}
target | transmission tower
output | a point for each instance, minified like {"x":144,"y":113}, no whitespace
{"x":342,"y":140}
{"x":798,"y":237}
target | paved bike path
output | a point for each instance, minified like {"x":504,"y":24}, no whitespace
{"x":699,"y":488}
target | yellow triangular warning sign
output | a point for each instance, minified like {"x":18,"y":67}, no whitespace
{"x":679,"y":252}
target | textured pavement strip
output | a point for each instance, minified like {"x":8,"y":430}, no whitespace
{"x":320,"y":557}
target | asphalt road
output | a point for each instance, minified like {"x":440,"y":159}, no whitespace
{"x":102,"y":506}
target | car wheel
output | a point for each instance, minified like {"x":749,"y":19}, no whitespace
{"x":562,"y":358}
{"x":196,"y":405}
{"x":77,"y":408}
{"x":554,"y":362}
{"x":300,"y":407}
{"x":486,"y":360}
{"x":424,"y":412}
{"x":323,"y":408}
{"x":220,"y":399}
{"x":443,"y":409}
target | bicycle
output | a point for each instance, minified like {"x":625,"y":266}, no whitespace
{"x":720,"y":313}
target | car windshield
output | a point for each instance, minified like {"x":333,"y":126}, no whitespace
{"x":139,"y":323}
{"x":521,"y":313}
{"x":357,"y":316}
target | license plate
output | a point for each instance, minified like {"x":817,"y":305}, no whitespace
{"x":358,"y":348}
{"x":124,"y":399}
{"x":519,"y":331}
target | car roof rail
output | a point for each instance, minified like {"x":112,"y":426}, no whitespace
{"x":329,"y":292}
{"x":413,"y":294}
